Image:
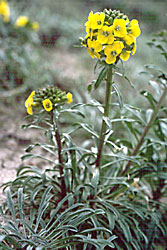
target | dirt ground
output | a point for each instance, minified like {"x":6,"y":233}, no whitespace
{"x":13,"y":141}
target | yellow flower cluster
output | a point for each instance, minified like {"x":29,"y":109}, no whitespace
{"x":47,"y":98}
{"x":22,"y":21}
{"x":110,"y":36}
{"x":4,"y":10}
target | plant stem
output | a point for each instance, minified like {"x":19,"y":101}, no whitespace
{"x":152,"y":119}
{"x":60,"y":158}
{"x":106,"y":114}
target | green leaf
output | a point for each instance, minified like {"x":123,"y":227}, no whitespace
{"x":95,"y":181}
{"x":43,"y":205}
{"x":89,"y":88}
{"x":20,"y":202}
{"x":88,"y":128}
{"x":74,"y":111}
{"x":149,"y":97}
{"x":118,"y":93}
{"x":125,"y":229}
{"x":28,"y":156}
{"x":101,"y":77}
{"x":11,"y":205}
{"x":125,"y":77}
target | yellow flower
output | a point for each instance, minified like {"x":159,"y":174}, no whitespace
{"x":47,"y":105}
{"x":35,"y":25}
{"x":112,"y":51}
{"x":129,"y":39}
{"x":29,"y":103}
{"x":93,"y":48}
{"x":4,"y":11}
{"x":29,"y":110}
{"x":134,"y":28}
{"x":97,"y":20}
{"x":69,"y":97}
{"x":89,"y":19}
{"x":125,"y":55}
{"x":105,"y":35}
{"x":21,"y":21}
{"x":119,"y":26}
{"x":88,"y":25}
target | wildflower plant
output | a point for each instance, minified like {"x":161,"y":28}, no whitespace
{"x":110,"y":37}
{"x":102,"y":195}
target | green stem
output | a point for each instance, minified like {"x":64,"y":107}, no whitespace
{"x":146,"y":129}
{"x":60,"y":158}
{"x":106,"y":114}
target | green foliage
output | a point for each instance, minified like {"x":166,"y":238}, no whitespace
{"x":42,"y":229}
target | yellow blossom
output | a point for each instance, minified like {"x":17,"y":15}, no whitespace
{"x":89,"y":19}
{"x":47,"y":104}
{"x":129,"y":39}
{"x":29,"y":110}
{"x":21,"y":21}
{"x":97,"y":20}
{"x":29,"y":103}
{"x":69,"y":97}
{"x":35,"y":25}
{"x":105,"y":35}
{"x":125,"y":55}
{"x":134,"y":28}
{"x":93,"y":48}
{"x":4,"y":10}
{"x":119,"y":27}
{"x":112,"y":51}
{"x":88,"y":25}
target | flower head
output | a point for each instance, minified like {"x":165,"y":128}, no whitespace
{"x":21,"y":21}
{"x":110,"y":36}
{"x":69,"y":97}
{"x":4,"y":10}
{"x":47,"y":104}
